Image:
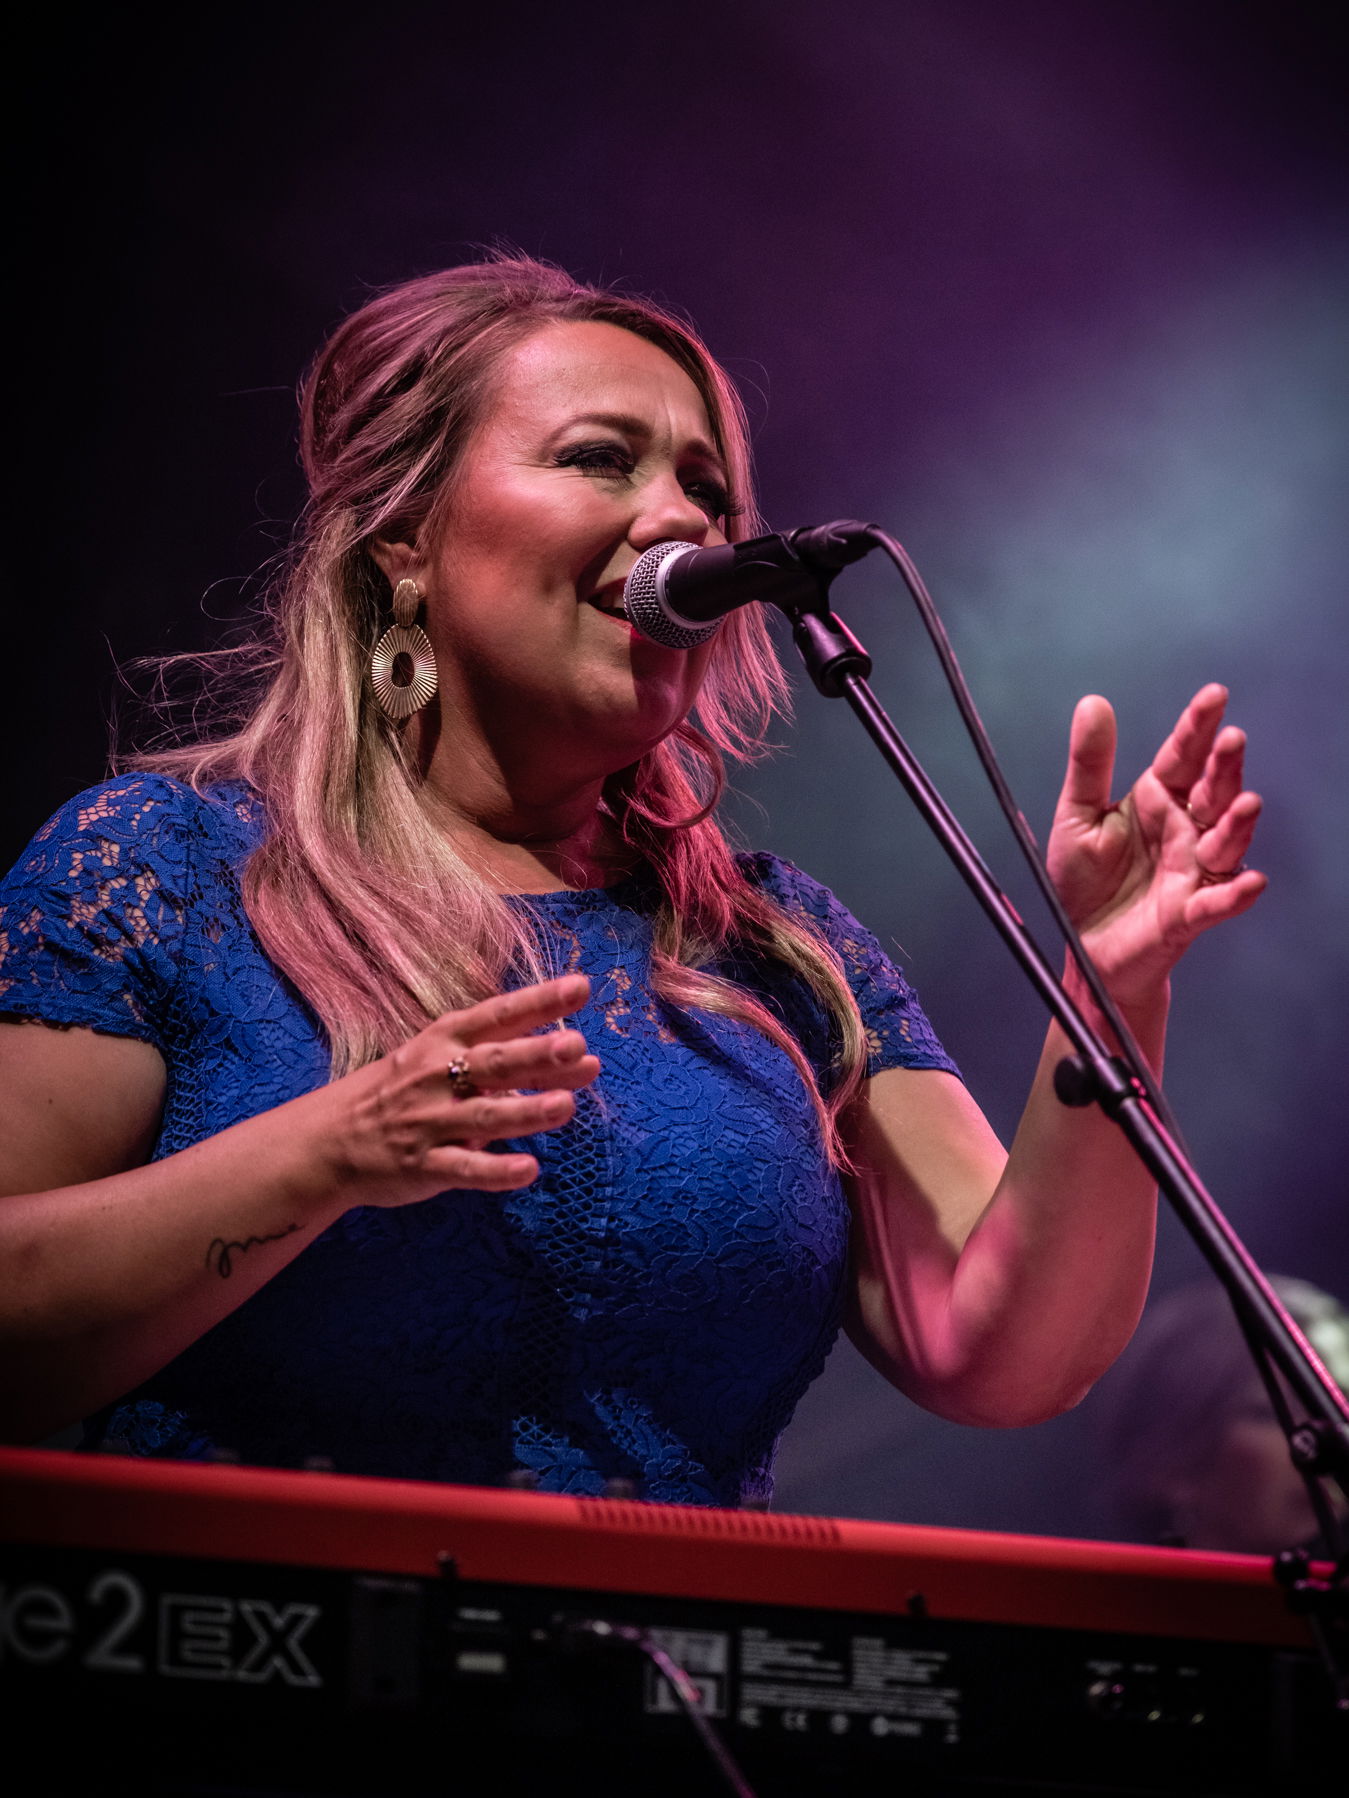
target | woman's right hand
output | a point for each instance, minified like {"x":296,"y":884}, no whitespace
{"x":112,"y":1263}
{"x":396,"y":1132}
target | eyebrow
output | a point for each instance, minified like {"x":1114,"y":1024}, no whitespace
{"x":631,"y":426}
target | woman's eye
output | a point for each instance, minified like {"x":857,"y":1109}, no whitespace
{"x":615,"y":461}
{"x":597,"y":458}
{"x":711,"y":496}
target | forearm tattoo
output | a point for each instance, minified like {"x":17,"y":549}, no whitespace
{"x":221,"y":1254}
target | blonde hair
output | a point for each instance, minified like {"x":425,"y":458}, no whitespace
{"x":343,"y":890}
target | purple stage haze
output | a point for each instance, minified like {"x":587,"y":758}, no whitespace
{"x":1057,"y":293}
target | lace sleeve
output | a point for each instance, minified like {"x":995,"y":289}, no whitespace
{"x":91,"y":915}
{"x":898,"y":1030}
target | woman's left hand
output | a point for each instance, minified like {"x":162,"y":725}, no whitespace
{"x":1142,"y":878}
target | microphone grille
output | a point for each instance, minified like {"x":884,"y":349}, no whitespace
{"x":645,"y":604}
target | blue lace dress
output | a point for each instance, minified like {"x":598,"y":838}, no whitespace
{"x":652,"y":1307}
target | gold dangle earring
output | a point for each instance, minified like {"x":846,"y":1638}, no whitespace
{"x":403,"y":664}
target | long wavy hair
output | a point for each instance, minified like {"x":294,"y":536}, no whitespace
{"x":355,"y":893}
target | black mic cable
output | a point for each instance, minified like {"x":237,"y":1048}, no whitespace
{"x":677,"y":594}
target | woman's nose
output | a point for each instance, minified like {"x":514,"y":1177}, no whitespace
{"x":667,"y":512}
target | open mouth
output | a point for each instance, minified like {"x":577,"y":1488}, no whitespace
{"x":611,"y":604}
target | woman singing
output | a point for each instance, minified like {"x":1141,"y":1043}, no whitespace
{"x":410,"y":1075}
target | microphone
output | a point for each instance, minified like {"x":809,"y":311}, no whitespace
{"x":677,"y":594}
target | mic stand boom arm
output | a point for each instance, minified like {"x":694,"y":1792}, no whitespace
{"x":839,"y":666}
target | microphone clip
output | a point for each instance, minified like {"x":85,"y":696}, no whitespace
{"x":831,"y":653}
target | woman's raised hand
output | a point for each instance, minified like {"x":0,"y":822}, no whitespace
{"x":417,"y":1122}
{"x":1142,"y":878}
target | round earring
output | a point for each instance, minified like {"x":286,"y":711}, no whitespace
{"x":403,"y":664}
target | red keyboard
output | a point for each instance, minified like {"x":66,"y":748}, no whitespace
{"x":828,"y":1650}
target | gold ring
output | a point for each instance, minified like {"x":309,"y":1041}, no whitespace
{"x":1196,"y":820}
{"x":1206,"y":879}
{"x":460,"y":1084}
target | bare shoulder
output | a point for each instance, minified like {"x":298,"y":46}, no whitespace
{"x":921,"y":1150}
{"x":919,"y":1112}
{"x":79,"y":1104}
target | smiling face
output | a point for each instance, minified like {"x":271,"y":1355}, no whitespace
{"x":594,"y":446}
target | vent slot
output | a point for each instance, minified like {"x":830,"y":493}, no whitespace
{"x":691,"y":1520}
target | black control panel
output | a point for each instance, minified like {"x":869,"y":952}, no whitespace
{"x":152,"y":1674}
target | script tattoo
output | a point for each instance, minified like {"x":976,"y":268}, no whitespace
{"x":221,"y":1254}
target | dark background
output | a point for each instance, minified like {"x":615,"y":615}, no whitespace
{"x":1055,"y":290}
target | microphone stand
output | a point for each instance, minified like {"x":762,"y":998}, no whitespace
{"x":1318,"y":1445}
